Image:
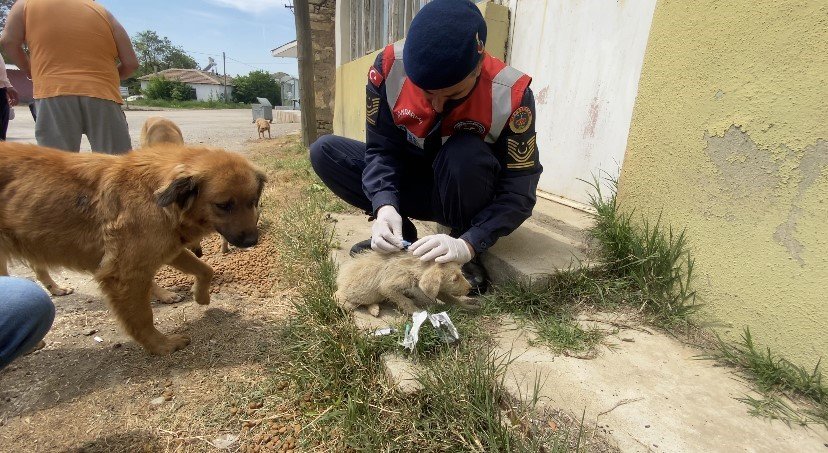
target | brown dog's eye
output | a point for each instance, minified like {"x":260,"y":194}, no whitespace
{"x":226,"y":207}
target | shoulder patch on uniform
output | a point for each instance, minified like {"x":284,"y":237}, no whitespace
{"x":521,"y":151}
{"x":372,"y":109}
{"x":375,"y":77}
{"x":521,"y":120}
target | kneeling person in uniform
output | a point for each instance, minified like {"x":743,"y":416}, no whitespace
{"x":450,"y":139}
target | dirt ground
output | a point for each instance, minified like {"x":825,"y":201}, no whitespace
{"x":94,"y":389}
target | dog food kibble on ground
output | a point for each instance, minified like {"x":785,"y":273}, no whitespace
{"x":241,"y":271}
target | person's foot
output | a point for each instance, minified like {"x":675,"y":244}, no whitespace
{"x":477,"y":276}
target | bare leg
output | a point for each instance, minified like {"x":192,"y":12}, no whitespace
{"x":188,"y":263}
{"x":51,"y":285}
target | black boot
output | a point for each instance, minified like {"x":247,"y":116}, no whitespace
{"x":477,"y":276}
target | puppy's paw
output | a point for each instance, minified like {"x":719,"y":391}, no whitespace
{"x":59,"y":291}
{"x":169,"y":344}
{"x":374,"y":310}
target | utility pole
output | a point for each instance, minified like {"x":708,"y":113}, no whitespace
{"x":305,"y":56}
{"x":224,"y":63}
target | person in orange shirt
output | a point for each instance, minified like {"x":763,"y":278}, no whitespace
{"x":78,"y":54}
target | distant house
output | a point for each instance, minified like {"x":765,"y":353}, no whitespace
{"x":207,"y":85}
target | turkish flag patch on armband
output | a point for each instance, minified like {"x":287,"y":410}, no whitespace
{"x":375,"y":77}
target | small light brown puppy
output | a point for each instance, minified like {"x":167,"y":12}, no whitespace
{"x":123,"y":217}
{"x":157,"y":130}
{"x":370,"y":278}
{"x":263,"y":125}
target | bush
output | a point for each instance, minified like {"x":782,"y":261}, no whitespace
{"x":256,"y":84}
{"x":160,"y":88}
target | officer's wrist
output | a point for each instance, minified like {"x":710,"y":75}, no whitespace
{"x":469,"y":246}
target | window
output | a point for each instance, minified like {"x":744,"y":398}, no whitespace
{"x":376,"y":23}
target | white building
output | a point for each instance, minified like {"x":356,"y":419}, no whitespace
{"x":207,"y":85}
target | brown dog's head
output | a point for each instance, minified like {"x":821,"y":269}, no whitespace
{"x":217,"y":190}
{"x":444,"y":278}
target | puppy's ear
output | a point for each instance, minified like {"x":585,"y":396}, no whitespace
{"x":431,"y":280}
{"x":181,"y":190}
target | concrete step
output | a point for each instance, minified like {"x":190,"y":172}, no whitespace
{"x":646,"y":392}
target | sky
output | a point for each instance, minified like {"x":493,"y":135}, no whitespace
{"x":245,"y":29}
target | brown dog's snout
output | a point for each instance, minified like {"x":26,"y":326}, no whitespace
{"x":245,"y":239}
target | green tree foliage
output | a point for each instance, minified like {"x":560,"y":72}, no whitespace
{"x":156,"y":53}
{"x":5,"y":6}
{"x":256,"y":84}
{"x":169,"y":90}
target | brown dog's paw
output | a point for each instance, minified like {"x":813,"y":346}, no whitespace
{"x":59,"y":291}
{"x":170,"y":344}
{"x":169,"y":297}
{"x":201,"y":294}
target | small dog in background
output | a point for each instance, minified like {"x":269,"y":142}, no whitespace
{"x":371,"y":278}
{"x":263,"y":125}
{"x":159,"y":130}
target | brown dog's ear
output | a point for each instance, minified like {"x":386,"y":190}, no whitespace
{"x":431,"y":280}
{"x":261,"y":177}
{"x":182,"y":190}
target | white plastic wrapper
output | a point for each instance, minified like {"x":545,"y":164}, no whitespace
{"x":443,"y":324}
{"x":440,"y":321}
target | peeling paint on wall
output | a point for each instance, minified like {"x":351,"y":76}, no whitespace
{"x":728,"y":140}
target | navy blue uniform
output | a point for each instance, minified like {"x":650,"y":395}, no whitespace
{"x":481,"y":191}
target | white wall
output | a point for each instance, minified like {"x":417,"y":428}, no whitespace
{"x":585,"y":58}
{"x":204,"y":91}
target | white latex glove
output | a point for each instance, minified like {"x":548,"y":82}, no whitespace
{"x":386,"y":231}
{"x":441,"y":248}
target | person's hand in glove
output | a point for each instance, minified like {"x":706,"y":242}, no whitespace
{"x":386,"y":231}
{"x":442,"y":248}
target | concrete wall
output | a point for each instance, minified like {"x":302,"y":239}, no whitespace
{"x":349,"y":114}
{"x":728,"y":139}
{"x":206,"y":92}
{"x":322,"y":13}
{"x":585,"y":61}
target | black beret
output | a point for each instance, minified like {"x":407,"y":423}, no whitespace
{"x":444,"y":43}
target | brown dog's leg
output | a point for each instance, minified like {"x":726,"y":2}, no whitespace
{"x":165,"y":296}
{"x":51,"y":285}
{"x":188,"y":263}
{"x":128,"y":294}
{"x":225,"y":246}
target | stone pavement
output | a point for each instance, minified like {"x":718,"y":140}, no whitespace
{"x":645,"y":391}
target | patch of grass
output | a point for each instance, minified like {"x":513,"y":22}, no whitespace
{"x":210,"y":104}
{"x":336,"y":375}
{"x":552,"y":304}
{"x":651,"y":258}
{"x":775,"y":376}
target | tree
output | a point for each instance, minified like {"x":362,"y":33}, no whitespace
{"x":256,"y":84}
{"x":5,"y":6}
{"x":156,"y":54}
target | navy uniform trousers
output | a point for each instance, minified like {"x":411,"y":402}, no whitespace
{"x":449,"y":188}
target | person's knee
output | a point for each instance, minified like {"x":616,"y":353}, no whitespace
{"x":37,"y":302}
{"x":467,"y":160}
{"x":320,"y":151}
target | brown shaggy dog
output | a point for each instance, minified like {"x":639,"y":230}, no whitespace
{"x":158,"y":130}
{"x":370,"y":278}
{"x":263,"y":125}
{"x":123,"y":217}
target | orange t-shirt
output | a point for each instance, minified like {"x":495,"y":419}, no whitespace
{"x":72,"y":49}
